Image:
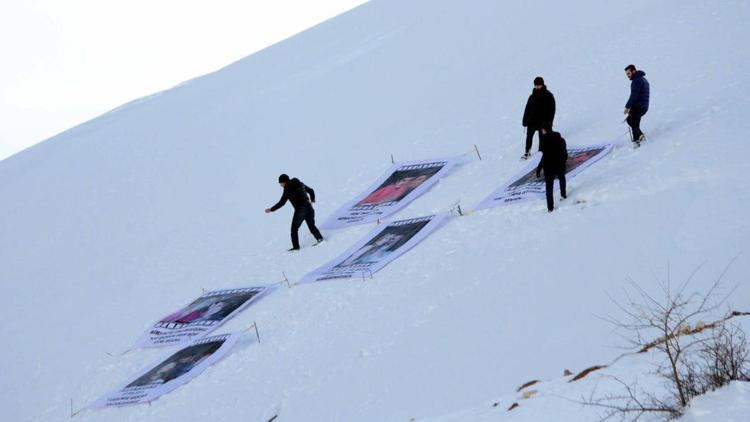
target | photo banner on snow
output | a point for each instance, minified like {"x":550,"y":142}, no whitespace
{"x":395,"y":189}
{"x":526,"y":186}
{"x":382,"y":245}
{"x":167,"y":375}
{"x":200,"y":317}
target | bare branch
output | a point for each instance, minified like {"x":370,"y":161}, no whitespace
{"x":698,"y":357}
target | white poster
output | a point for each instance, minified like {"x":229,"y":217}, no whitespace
{"x":526,"y":186}
{"x":395,"y":189}
{"x":382,"y":245}
{"x":176,"y":370}
{"x":200,"y":317}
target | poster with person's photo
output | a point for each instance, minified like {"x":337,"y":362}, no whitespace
{"x":200,"y":316}
{"x":170,"y":373}
{"x":395,"y":189}
{"x":382,"y":245}
{"x":526,"y":186}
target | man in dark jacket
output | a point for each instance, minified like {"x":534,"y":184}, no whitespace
{"x":296,"y":192}
{"x":540,"y":108}
{"x":553,"y":162}
{"x":637,"y":104}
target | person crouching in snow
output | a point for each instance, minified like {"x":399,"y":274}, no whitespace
{"x":553,"y":162}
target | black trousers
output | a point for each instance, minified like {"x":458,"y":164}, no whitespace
{"x":634,"y":121}
{"x":530,"y":136}
{"x":549,"y":180}
{"x":304,"y":213}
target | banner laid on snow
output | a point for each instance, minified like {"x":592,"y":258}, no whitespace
{"x":171,"y":373}
{"x":382,"y":245}
{"x":200,"y":317}
{"x":395,"y":189}
{"x":525,"y":185}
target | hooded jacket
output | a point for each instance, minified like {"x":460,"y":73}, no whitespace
{"x":554,"y":155}
{"x":640,"y":91}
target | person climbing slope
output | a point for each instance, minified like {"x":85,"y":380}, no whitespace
{"x":297,"y":193}
{"x":637,"y":105}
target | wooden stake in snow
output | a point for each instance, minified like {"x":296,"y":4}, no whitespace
{"x":72,"y":413}
{"x":254,"y":326}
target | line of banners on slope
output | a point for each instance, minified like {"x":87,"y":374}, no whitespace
{"x":201,"y":316}
{"x":170,"y":373}
{"x":395,"y":189}
{"x":382,"y":245}
{"x":376,"y":250}
{"x":525,"y":185}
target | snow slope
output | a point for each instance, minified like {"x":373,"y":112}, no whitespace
{"x":730,"y":404}
{"x":111,"y":224}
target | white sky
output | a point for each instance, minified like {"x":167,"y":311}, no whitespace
{"x":63,"y":62}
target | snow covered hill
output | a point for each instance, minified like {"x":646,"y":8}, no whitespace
{"x":110,"y":225}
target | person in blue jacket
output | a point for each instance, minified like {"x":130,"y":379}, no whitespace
{"x":637,"y":104}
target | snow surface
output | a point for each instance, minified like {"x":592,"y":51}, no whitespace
{"x":111,"y":224}
{"x":730,"y":404}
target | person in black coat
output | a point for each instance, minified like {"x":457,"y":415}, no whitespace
{"x":637,"y":105}
{"x":297,"y":193}
{"x":553,"y":162}
{"x":540,"y":108}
